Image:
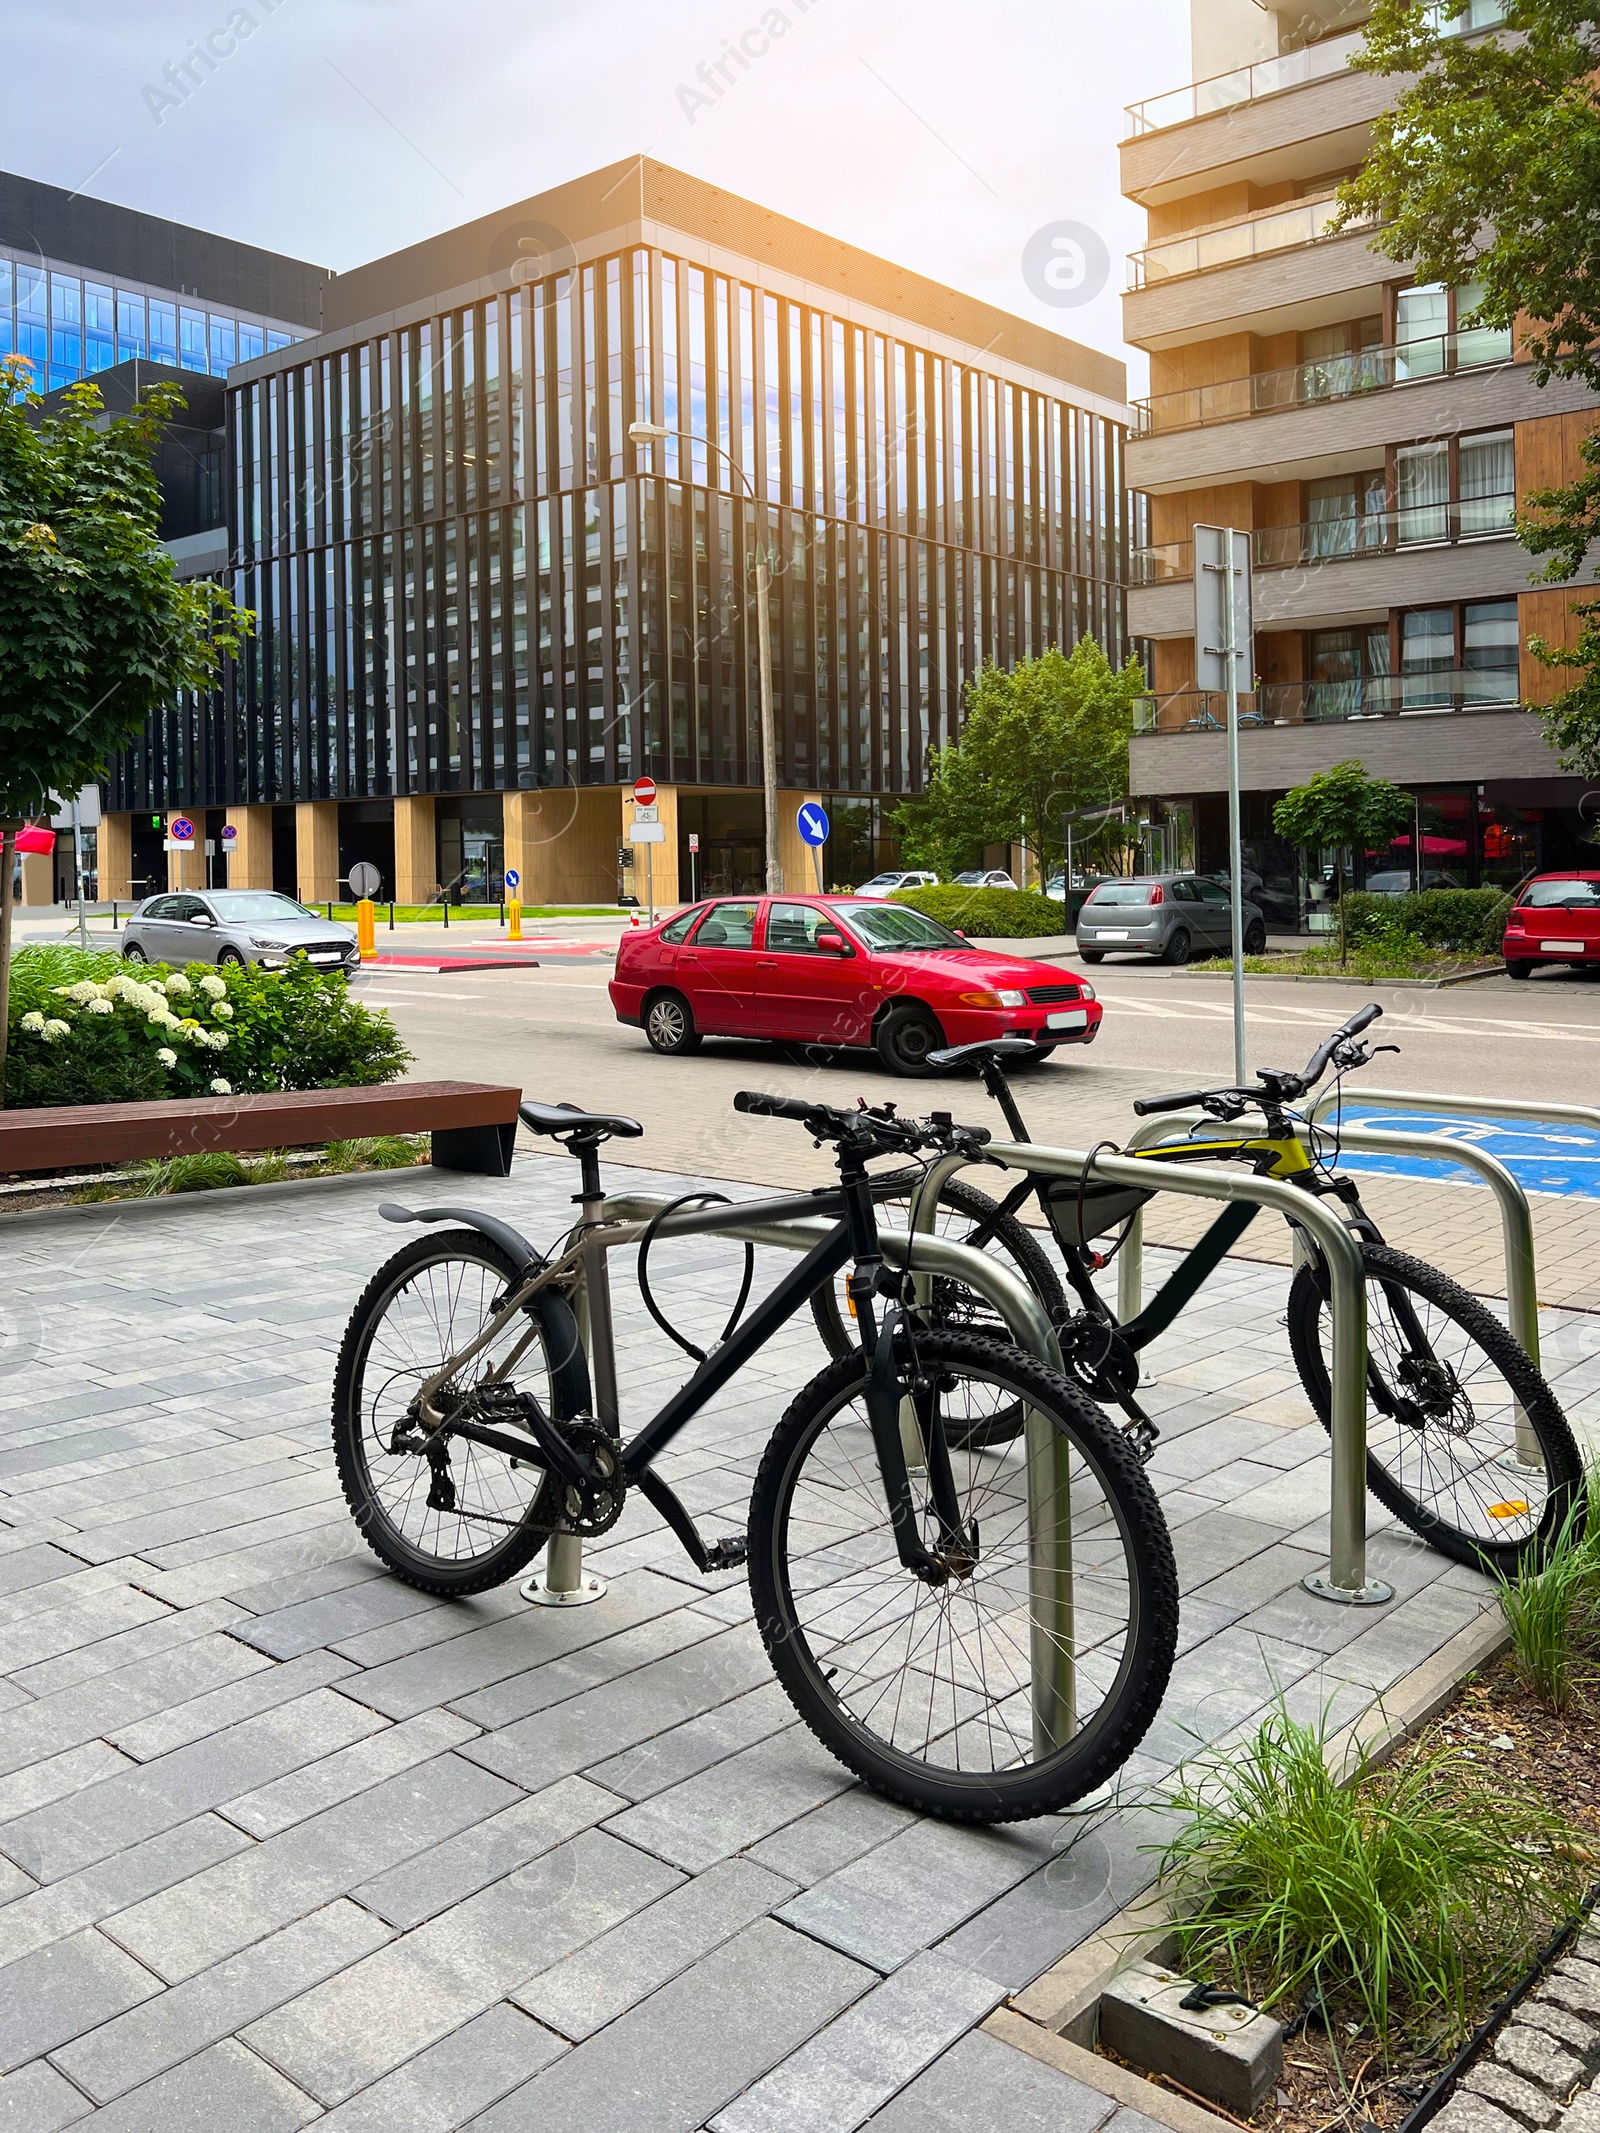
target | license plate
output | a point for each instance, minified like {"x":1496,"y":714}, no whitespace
{"x":325,"y":956}
{"x":1068,"y":1018}
{"x":1562,"y":947}
{"x":1112,"y":933}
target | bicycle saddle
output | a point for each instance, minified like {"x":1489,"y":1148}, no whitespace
{"x":988,"y":1047}
{"x":567,"y":1118}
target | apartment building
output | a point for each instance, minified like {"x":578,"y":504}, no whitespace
{"x":1375,"y":445}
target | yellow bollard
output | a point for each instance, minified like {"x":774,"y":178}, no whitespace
{"x":367,"y":928}
{"x":513,"y":922}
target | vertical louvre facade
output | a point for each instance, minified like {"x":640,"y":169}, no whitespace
{"x":467,"y":580}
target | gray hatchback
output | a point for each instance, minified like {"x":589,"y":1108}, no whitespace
{"x":236,"y":926}
{"x":1170,"y":916}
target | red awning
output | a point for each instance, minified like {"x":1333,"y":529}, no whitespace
{"x":39,"y":839}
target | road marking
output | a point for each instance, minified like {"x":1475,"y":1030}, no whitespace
{"x":1552,"y":1158}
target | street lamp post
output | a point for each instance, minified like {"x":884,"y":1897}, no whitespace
{"x":658,"y":433}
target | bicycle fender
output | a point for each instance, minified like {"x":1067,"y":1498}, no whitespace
{"x":510,"y":1241}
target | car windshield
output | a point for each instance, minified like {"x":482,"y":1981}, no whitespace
{"x":1561,"y":896}
{"x":883,"y":881}
{"x":253,"y":905}
{"x":890,"y":926}
{"x":1122,"y":892}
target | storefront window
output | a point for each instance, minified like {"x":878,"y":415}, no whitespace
{"x":1509,"y":843}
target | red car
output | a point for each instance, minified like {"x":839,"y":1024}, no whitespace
{"x":1555,"y":919}
{"x":839,"y":971}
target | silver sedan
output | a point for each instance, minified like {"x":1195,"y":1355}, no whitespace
{"x":236,"y":926}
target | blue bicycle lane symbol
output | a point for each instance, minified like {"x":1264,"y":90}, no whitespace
{"x":1542,"y":1158}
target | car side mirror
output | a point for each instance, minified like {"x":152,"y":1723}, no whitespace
{"x":831,"y":943}
{"x":204,"y":918}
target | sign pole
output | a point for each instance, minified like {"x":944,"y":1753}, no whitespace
{"x":650,"y":881}
{"x":1235,"y":856}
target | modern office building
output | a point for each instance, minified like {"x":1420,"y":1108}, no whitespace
{"x":1305,"y":388}
{"x":482,"y":611}
{"x":91,"y":290}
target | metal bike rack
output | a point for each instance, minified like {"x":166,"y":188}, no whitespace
{"x":628,"y":1215}
{"x":1346,"y":1579}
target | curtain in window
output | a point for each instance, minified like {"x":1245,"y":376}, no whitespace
{"x":1424,"y":492}
{"x":1488,"y":483}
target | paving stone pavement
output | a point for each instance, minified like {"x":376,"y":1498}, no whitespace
{"x":282,"y":1840}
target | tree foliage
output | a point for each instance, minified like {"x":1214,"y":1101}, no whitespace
{"x":1046,"y":739}
{"x":1486,"y":168}
{"x":1343,"y":808}
{"x":96,"y":632}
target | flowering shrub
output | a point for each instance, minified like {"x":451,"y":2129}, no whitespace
{"x":99,"y":1034}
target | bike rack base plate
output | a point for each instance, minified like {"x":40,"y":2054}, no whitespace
{"x":1374,"y":1593}
{"x":539,"y":1593}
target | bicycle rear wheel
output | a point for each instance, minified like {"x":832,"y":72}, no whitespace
{"x":1025,"y":1680}
{"x":1444,"y":1383}
{"x":459,"y":1517}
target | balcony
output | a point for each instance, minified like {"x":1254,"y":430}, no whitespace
{"x":1283,"y":229}
{"x":1336,"y":540}
{"x":1323,"y":703}
{"x":1269,"y":77}
{"x":1329,"y":378}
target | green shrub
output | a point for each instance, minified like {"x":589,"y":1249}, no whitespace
{"x":987,"y":914}
{"x":91,"y":1029}
{"x":1469,"y":921}
{"x":1552,"y":1607}
{"x":1400,"y":1895}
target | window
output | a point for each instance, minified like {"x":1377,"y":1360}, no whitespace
{"x":192,"y":339}
{"x":163,"y":332}
{"x":252,"y":342}
{"x":1490,"y":649}
{"x":1430,"y":339}
{"x":679,"y":930}
{"x":130,"y":326}
{"x":1122,"y":892}
{"x":1422,"y":492}
{"x":1212,"y":892}
{"x":1185,"y":892}
{"x":223,"y":356}
{"x":886,"y":927}
{"x":1561,"y":896}
{"x":1488,"y":483}
{"x":792,"y":929}
{"x":99,"y":321}
{"x":1345,"y":514}
{"x":1345,"y":667}
{"x":1427,"y":658}
{"x":728,"y":926}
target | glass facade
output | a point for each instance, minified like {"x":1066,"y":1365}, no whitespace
{"x":71,"y":325}
{"x":467,"y":579}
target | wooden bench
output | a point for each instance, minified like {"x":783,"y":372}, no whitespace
{"x":473,"y":1124}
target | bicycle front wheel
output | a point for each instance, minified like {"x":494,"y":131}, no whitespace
{"x":457,"y":1517}
{"x":1029,"y":1676}
{"x":1447,"y":1452}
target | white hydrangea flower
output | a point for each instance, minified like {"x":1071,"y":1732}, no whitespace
{"x":224,"y":1012}
{"x":33,"y":1022}
{"x":99,"y":1007}
{"x":222,"y":1088}
{"x":81,"y":994}
{"x":54,"y":1031}
{"x":218,"y":1040}
{"x":178,"y":984}
{"x":213,"y":988}
{"x":167,"y":1058}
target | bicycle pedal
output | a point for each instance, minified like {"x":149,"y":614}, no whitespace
{"x":728,"y":1553}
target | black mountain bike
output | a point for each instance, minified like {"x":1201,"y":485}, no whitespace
{"x":1466,"y":1442}
{"x":982,"y":1635}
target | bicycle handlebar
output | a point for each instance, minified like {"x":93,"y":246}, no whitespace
{"x":760,"y":1105}
{"x":1274,"y":1087}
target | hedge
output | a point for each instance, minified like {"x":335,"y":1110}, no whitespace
{"x":988,"y":914}
{"x":1468,"y":920}
{"x":90,"y":1029}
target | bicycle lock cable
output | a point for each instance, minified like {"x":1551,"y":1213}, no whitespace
{"x":690,"y":1199}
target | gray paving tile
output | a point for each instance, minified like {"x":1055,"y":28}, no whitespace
{"x":592,"y":1987}
{"x":328,"y":1618}
{"x":374,"y":2016}
{"x":87,"y":1898}
{"x":136,"y":2047}
{"x":667,"y":1759}
{"x":831,"y":1836}
{"x":681,"y":2055}
{"x":553,"y":1681}
{"x":36,"y":2099}
{"x":226,"y":2086}
{"x":64,"y":1989}
{"x":452,"y":2080}
{"x":836,"y":2081}
{"x":444,"y":1874}
{"x":302,"y":1793}
{"x":219,"y":1709}
{"x":983,"y":2086}
{"x":734,"y":1803}
{"x":88,"y":1710}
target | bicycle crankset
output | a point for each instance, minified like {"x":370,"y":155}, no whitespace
{"x":1096,"y":1355}
{"x":594,"y":1504}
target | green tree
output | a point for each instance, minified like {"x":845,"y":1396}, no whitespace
{"x":1486,"y":169}
{"x":95,"y":630}
{"x":1046,"y":739}
{"x":1338,"y":808}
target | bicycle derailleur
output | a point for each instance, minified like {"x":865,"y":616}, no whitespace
{"x":1096,"y":1357}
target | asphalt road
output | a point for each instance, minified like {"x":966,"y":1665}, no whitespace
{"x":553,"y":1031}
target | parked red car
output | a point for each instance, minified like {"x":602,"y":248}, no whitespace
{"x":1555,"y":919}
{"x":839,"y":971}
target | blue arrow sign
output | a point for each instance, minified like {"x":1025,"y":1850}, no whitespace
{"x":513,"y":878}
{"x":813,"y":821}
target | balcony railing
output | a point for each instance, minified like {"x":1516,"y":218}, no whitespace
{"x":1289,"y":70}
{"x":1320,"y":703}
{"x":1279,"y":230}
{"x":1340,"y":377}
{"x":1338,"y":540}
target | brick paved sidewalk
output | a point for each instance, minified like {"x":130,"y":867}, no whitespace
{"x":282,"y":1839}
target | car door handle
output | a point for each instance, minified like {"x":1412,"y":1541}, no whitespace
{"x":768,"y":962}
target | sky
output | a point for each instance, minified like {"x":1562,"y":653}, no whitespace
{"x":943,"y":135}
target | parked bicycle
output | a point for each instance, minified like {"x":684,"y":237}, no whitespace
{"x":1466,"y":1443}
{"x":982,"y":1635}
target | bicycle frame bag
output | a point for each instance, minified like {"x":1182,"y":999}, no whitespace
{"x":1104,"y":1208}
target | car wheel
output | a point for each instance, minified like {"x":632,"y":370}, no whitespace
{"x":1177,"y":948}
{"x":1091,"y":955}
{"x":229,"y":957}
{"x":1255,"y":938}
{"x":669,"y":1024}
{"x":1518,"y":969}
{"x":906,"y":1035}
{"x":133,"y":953}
